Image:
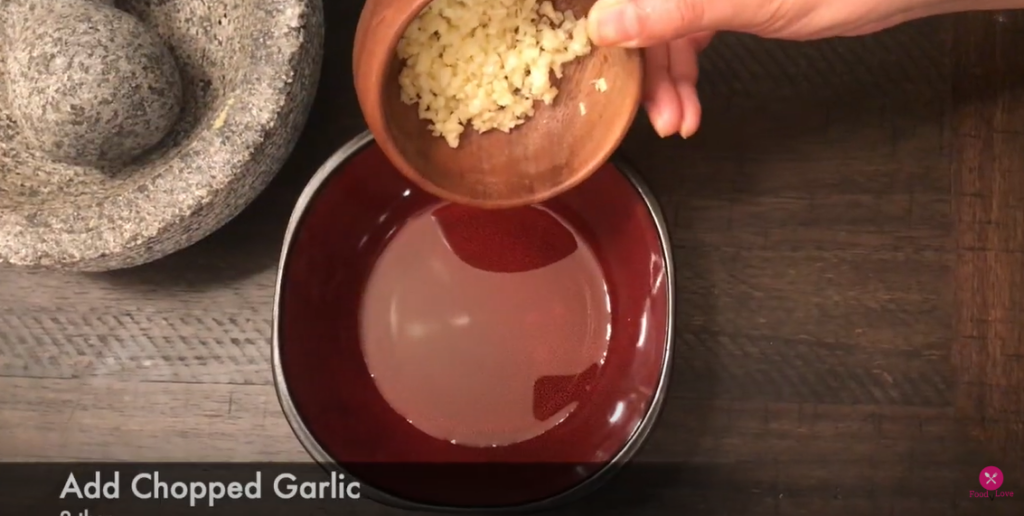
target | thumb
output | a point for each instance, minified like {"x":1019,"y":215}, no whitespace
{"x":642,"y":23}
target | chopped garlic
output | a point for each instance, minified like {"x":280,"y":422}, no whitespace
{"x":484,"y":63}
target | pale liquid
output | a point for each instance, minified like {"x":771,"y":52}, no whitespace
{"x":457,"y":351}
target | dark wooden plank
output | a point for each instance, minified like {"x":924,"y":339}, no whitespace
{"x":988,"y":207}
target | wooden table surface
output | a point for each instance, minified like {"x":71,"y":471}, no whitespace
{"x":849,"y":236}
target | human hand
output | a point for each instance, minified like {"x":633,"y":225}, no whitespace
{"x":673,"y":33}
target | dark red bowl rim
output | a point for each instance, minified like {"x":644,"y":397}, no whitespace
{"x":302,"y":433}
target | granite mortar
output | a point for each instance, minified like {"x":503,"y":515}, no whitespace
{"x":248,"y":73}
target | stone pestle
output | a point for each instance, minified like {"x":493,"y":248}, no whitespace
{"x":88,"y":84}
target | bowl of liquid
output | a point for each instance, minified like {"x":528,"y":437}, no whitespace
{"x":452,"y":357}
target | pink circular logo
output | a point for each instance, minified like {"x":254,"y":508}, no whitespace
{"x":991,"y":478}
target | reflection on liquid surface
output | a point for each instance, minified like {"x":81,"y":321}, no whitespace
{"x":484,"y":358}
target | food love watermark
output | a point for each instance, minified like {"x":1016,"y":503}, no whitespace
{"x":991,"y":479}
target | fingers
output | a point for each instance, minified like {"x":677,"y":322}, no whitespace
{"x":691,"y":110}
{"x":642,"y":23}
{"x":660,"y":98}
{"x":683,"y":71}
{"x":671,"y":85}
{"x":701,"y":40}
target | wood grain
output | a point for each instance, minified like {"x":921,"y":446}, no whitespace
{"x":988,"y":188}
{"x":847,"y":230}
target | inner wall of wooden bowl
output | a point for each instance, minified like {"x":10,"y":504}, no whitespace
{"x":335,"y":247}
{"x":551,"y":149}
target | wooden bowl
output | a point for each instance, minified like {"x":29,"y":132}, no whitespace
{"x":552,"y":152}
{"x":503,"y":322}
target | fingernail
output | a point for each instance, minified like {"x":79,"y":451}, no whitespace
{"x":658,"y":122}
{"x":662,"y":129}
{"x":613,"y":22}
{"x":688,"y":129}
{"x":687,"y":132}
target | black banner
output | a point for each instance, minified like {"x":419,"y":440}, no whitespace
{"x":253,"y":489}
{"x":639,"y":488}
